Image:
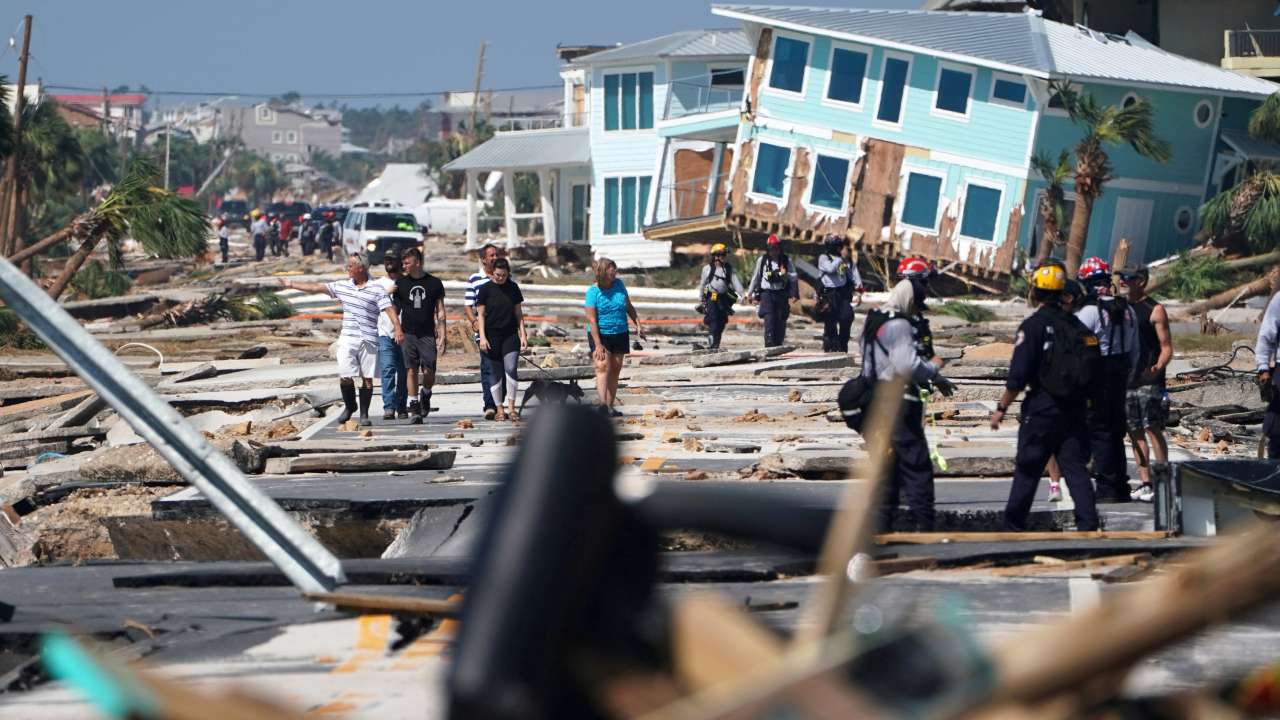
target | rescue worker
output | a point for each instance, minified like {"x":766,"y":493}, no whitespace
{"x":273,"y":234}
{"x":896,"y":342}
{"x":1147,"y":404}
{"x":1265,"y":352}
{"x":841,"y":290}
{"x":1073,"y":296}
{"x":774,"y":284}
{"x":1112,"y":320}
{"x":224,"y":238}
{"x":307,"y":235}
{"x":259,"y":231}
{"x":1053,"y":357}
{"x":718,"y":290}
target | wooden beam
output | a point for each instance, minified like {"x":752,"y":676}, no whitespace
{"x":388,"y":603}
{"x":930,"y":538}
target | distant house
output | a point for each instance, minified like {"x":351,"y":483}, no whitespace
{"x":628,"y":113}
{"x":126,"y":109}
{"x":913,"y":131}
{"x":284,"y":133}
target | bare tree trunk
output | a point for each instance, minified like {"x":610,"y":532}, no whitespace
{"x":1047,"y":242}
{"x":20,"y":227}
{"x":72,"y":266}
{"x":1079,"y":233}
{"x":1264,"y":285}
{"x":46,"y":243}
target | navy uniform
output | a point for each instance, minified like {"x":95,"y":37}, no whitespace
{"x":840,"y":281}
{"x":1115,"y":324}
{"x":718,"y":289}
{"x":1050,"y":425}
{"x":1265,"y":352}
{"x":774,"y":284}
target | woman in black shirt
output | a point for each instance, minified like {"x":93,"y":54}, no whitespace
{"x":502,"y":336}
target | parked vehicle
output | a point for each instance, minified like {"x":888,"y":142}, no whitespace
{"x":235,"y":212}
{"x":378,"y":228}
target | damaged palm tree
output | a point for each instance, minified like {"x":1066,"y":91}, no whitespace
{"x":1052,"y":205}
{"x":1103,"y":125}
{"x":164,"y":224}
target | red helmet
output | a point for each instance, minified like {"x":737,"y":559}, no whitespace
{"x":773,"y":240}
{"x":914,"y":266}
{"x":1093,"y":269}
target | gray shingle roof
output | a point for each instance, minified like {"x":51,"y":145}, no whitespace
{"x":528,"y":149}
{"x":1249,"y":146}
{"x":730,"y":42}
{"x":1018,"y":42}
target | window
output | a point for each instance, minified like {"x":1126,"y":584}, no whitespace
{"x":581,"y":200}
{"x":1203,"y":113}
{"x":392,"y":222}
{"x":1008,"y":91}
{"x":952,"y":95}
{"x":981,"y":210}
{"x":920,"y":209}
{"x":1129,"y":100}
{"x":266,"y":114}
{"x":277,"y":137}
{"x":628,"y":101}
{"x":1056,"y":103}
{"x":772,"y":162}
{"x":830,"y":178}
{"x":848,"y":70}
{"x":291,"y":137}
{"x":625,"y":200}
{"x":1184,"y":219}
{"x":893,"y":89}
{"x":728,"y":77}
{"x":790,"y":59}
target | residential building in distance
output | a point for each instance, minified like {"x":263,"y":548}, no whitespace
{"x":284,"y":133}
{"x":914,"y":131}
{"x":627,"y":113}
{"x":126,"y":110}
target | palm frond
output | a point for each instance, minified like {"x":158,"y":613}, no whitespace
{"x":163,"y":223}
{"x":1264,"y":121}
{"x":1251,"y":208}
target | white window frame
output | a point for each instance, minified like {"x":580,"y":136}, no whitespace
{"x":291,"y":137}
{"x":713,"y":69}
{"x":1195,"y":113}
{"x":813,"y":176}
{"x":1042,"y":103}
{"x":1007,"y":77}
{"x":264,"y":115}
{"x":605,"y":72}
{"x":808,"y":40}
{"x":964,"y":198}
{"x":866,"y":76}
{"x":277,"y":137}
{"x":1191,"y":226}
{"x":786,"y":176}
{"x":1136,"y":97}
{"x":968,"y":102}
{"x":901,"y":208}
{"x":906,"y":87}
{"x":641,"y":211}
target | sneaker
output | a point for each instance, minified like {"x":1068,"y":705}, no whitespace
{"x":490,"y":413}
{"x":1144,"y":493}
{"x":1055,"y":492}
{"x":365,"y":421}
{"x":403,"y":414}
{"x":389,"y":415}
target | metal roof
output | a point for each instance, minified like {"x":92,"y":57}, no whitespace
{"x":528,"y":149}
{"x":1017,"y":42}
{"x":1249,"y":146}
{"x":731,"y":42}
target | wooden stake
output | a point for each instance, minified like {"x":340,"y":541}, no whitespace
{"x":388,"y":603}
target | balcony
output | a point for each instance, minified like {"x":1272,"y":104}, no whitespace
{"x":701,"y":112}
{"x":540,"y":122}
{"x":1252,"y":52}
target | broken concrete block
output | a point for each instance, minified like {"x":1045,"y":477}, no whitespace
{"x":692,"y":444}
{"x":363,"y":462}
{"x":199,"y":372}
{"x":80,"y":414}
{"x":730,"y":447}
{"x":1002,"y":352}
{"x":454,"y":436}
{"x":732,"y":357}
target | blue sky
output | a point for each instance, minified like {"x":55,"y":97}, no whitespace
{"x":272,"y":46}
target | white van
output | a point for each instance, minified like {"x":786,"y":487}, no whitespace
{"x":378,"y":228}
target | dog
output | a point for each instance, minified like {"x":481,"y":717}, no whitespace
{"x":550,"y":391}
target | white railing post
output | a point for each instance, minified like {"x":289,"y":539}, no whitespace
{"x":472,"y":191}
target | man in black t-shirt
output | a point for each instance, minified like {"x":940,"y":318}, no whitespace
{"x":420,"y":297}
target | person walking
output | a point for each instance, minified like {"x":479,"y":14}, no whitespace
{"x":841,"y":290}
{"x":420,"y":297}
{"x":718,"y":288}
{"x":273,"y":234}
{"x":502,"y":335}
{"x":326,"y":234}
{"x":1115,"y":324}
{"x":307,"y":235}
{"x":1147,"y":402}
{"x":259,"y":231}
{"x":608,"y":306}
{"x":390,"y":357}
{"x":362,"y":303}
{"x":1264,"y":351}
{"x":489,"y":255}
{"x":224,"y":238}
{"x":774,"y":284}
{"x":1072,"y":298}
{"x":1053,"y":357}
{"x":894,"y":346}
{"x":286,"y":233}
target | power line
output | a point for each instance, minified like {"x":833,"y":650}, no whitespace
{"x":328,"y":96}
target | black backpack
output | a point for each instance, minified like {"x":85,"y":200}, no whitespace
{"x":855,"y":396}
{"x":1072,"y":358}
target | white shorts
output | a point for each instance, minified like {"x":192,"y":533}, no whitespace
{"x":356,"y":358}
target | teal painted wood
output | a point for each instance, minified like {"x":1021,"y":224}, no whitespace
{"x":723,"y":121}
{"x":995,"y":132}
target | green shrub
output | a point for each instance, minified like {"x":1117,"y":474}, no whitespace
{"x":95,"y":281}
{"x":14,"y":334}
{"x":272,"y":306}
{"x":965,"y":311}
{"x":1196,"y":278}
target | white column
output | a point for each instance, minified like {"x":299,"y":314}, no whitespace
{"x":509,"y":208}
{"x":655,"y":187}
{"x":472,"y":235}
{"x":713,"y":180}
{"x":545,"y":180}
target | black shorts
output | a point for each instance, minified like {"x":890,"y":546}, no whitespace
{"x":419,"y":352}
{"x":616,"y":344}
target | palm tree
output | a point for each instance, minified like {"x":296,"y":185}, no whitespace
{"x":163,"y":223}
{"x":51,"y":161}
{"x":1103,"y":125}
{"x":1053,"y":202}
{"x":1249,"y":212}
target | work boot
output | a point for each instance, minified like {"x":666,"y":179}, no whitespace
{"x":415,"y":409}
{"x":349,"y":399}
{"x":366,"y":398}
{"x":424,"y":402}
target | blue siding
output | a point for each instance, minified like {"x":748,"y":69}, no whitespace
{"x":628,"y":153}
{"x":993,"y":132}
{"x":1163,"y":238}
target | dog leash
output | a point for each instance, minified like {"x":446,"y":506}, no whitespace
{"x":536,"y":366}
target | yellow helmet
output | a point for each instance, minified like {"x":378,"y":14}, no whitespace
{"x":1050,"y":276}
{"x":719,"y":248}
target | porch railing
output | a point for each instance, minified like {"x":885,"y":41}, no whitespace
{"x":689,"y":198}
{"x":685,"y":99}
{"x":1253,"y":43}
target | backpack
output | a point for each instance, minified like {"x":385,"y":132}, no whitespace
{"x":1072,"y":358}
{"x":855,"y":396}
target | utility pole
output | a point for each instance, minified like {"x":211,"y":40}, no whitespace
{"x":475,"y":97}
{"x":12,"y":243}
{"x":168,"y":132}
